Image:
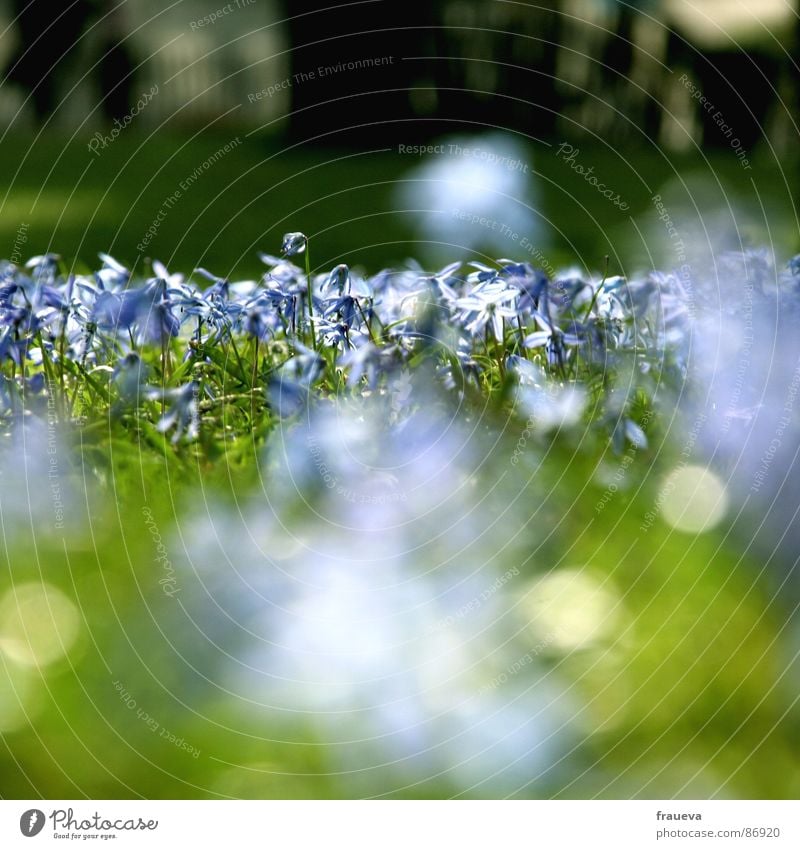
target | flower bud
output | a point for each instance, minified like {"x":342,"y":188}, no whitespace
{"x":294,"y":243}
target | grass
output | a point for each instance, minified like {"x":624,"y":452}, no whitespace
{"x":201,"y":556}
{"x":80,"y":204}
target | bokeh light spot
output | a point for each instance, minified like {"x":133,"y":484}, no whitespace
{"x":39,"y":624}
{"x":693,"y":499}
{"x":569,"y":609}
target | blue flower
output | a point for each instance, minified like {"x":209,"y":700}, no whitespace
{"x":172,"y":280}
{"x":339,"y":280}
{"x":36,"y":383}
{"x":130,"y":377}
{"x":334,"y":334}
{"x":153,"y":307}
{"x":220,"y":287}
{"x":346,"y":308}
{"x":531,"y":282}
{"x":113,"y":275}
{"x":112,"y":311}
{"x":12,"y":347}
{"x":45,"y":267}
{"x":552,"y":338}
{"x":183,"y":415}
{"x":634,"y":434}
{"x":305,"y":367}
{"x":260,"y":319}
{"x":288,"y":390}
{"x":487,"y":306}
{"x":363,"y":360}
{"x":286,"y":397}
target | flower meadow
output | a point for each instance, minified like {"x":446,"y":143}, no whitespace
{"x":476,"y":531}
{"x":265,"y":350}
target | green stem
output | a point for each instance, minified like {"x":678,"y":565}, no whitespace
{"x":255,"y":378}
{"x":598,"y":290}
{"x":364,"y":319}
{"x":498,"y":353}
{"x":255,"y":360}
{"x":48,"y":372}
{"x":61,"y":348}
{"x":310,"y":299}
{"x":163,"y":374}
{"x":522,"y":350}
{"x":238,"y":358}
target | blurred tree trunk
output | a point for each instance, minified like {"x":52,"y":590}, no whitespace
{"x":49,"y":41}
{"x":738,"y":84}
{"x":372,"y":101}
{"x":116,"y":65}
{"x":447,"y":66}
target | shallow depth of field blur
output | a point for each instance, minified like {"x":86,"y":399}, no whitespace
{"x":429,"y":539}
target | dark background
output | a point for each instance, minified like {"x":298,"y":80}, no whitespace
{"x":321,"y":155}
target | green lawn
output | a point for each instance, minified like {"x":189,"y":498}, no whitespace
{"x":673,"y":678}
{"x":78,"y":204}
